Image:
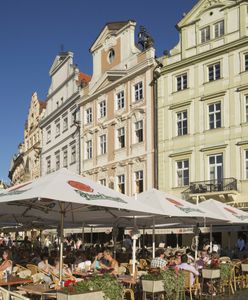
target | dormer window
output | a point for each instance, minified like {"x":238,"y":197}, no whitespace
{"x":205,"y":34}
{"x":111,"y":55}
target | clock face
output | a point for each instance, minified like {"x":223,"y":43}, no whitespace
{"x":111,"y":56}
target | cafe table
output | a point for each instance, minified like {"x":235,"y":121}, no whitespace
{"x":14,"y":280}
{"x":42,"y":290}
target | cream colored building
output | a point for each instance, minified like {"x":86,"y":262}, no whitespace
{"x":203,"y":105}
{"x":25,"y":165}
{"x":117,"y":112}
{"x":33,"y":138}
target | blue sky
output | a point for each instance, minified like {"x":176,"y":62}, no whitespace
{"x":31,"y":34}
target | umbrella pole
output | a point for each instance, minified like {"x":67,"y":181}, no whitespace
{"x":153,"y":238}
{"x":62,"y":215}
{"x":211,"y":239}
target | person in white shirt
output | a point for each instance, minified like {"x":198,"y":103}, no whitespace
{"x":185,"y":266}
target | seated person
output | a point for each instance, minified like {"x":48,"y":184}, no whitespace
{"x":185,"y":266}
{"x":6,"y":265}
{"x":97,"y":261}
{"x":45,"y":268}
{"x":202,"y":260}
{"x":159,"y":261}
{"x":113,"y":266}
{"x":66,"y":272}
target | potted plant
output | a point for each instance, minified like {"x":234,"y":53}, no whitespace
{"x":244,"y":266}
{"x":105,"y":287}
{"x":212,"y":270}
{"x":153,"y":282}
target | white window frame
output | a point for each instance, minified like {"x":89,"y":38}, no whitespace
{"x":48,"y":164}
{"x":213,"y":167}
{"x":121,"y":183}
{"x":65,"y":158}
{"x":138,"y":91}
{"x":139,"y":127}
{"x":73,"y":154}
{"x":65,"y":123}
{"x":246,"y":61}
{"x":88,"y":115}
{"x":213,"y":116}
{"x":102,"y":109}
{"x":181,"y":172}
{"x":57,"y":129}
{"x":205,"y":34}
{"x":121,"y":139}
{"x":48,"y":135}
{"x":246,"y":163}
{"x":219,"y":29}
{"x":139,"y":179}
{"x":214,"y":71}
{"x":89,"y":149}
{"x":120,"y":100}
{"x":182,"y":82}
{"x":103,"y":181}
{"x":103,"y":144}
{"x":57,"y":160}
{"x":181,"y":120}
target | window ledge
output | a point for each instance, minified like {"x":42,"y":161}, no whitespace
{"x":215,"y":129}
{"x":207,"y":82}
{"x":183,"y":90}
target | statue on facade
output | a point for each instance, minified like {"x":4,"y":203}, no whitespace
{"x":145,"y":40}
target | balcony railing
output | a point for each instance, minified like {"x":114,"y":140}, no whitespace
{"x":211,"y":186}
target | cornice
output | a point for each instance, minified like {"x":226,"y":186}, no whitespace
{"x":214,"y":95}
{"x":242,"y":88}
{"x":180,"y":104}
{"x":241,"y":143}
{"x":188,"y":152}
{"x":203,"y":56}
{"x":215,"y":147}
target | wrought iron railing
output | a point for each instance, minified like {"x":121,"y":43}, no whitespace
{"x":209,"y":186}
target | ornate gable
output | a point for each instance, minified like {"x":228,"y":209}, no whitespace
{"x":201,"y":7}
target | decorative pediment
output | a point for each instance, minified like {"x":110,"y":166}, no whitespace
{"x":59,"y":61}
{"x":201,"y":7}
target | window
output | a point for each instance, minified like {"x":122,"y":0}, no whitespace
{"x":103,"y":144}
{"x":103,"y":182}
{"x":138,"y":90}
{"x":48,"y":164}
{"x":111,"y":55}
{"x":65,"y":123}
{"x":246,"y":108}
{"x":182,"y":127}
{"x":57,"y":160}
{"x":139,"y":182}
{"x":216,"y":167}
{"x":214,"y":113}
{"x":73,"y":154}
{"x":121,"y":137}
{"x":102,"y":109}
{"x":89,"y":149}
{"x":246,"y":61}
{"x":214,"y":72}
{"x":120,"y":101}
{"x":219,"y":29}
{"x":121,"y":183}
{"x":182,"y":173}
{"x":65,"y":158}
{"x":48,"y":134}
{"x":89,"y":116}
{"x":205,"y":34}
{"x":182,"y":83}
{"x":246,"y":164}
{"x":57,"y":129}
{"x":139,"y":131}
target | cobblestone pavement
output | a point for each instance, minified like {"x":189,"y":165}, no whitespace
{"x":239,"y":295}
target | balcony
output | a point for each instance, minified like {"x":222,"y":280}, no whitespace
{"x":220,"y":189}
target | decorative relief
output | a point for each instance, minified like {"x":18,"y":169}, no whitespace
{"x":210,"y":3}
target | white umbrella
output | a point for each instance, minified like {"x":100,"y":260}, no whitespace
{"x":232,"y":214}
{"x":71,"y":198}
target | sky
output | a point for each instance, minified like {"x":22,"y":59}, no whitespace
{"x":31,"y":35}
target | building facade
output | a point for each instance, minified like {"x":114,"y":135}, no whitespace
{"x":33,"y":138}
{"x":60,"y":129}
{"x":117,"y":111}
{"x":203,"y":105}
{"x":17,"y":169}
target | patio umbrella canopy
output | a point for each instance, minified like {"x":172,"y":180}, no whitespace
{"x":232,"y":214}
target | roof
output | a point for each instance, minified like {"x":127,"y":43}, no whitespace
{"x":84,"y":77}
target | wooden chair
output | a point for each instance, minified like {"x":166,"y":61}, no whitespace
{"x":225,"y":259}
{"x":227,"y":282}
{"x":191,"y":288}
{"x":17,"y":296}
{"x":238,"y":278}
{"x":143,"y":264}
{"x":129,"y":292}
{"x":32,"y":268}
{"x":4,"y":294}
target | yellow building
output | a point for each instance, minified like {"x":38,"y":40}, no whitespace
{"x":203,"y":105}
